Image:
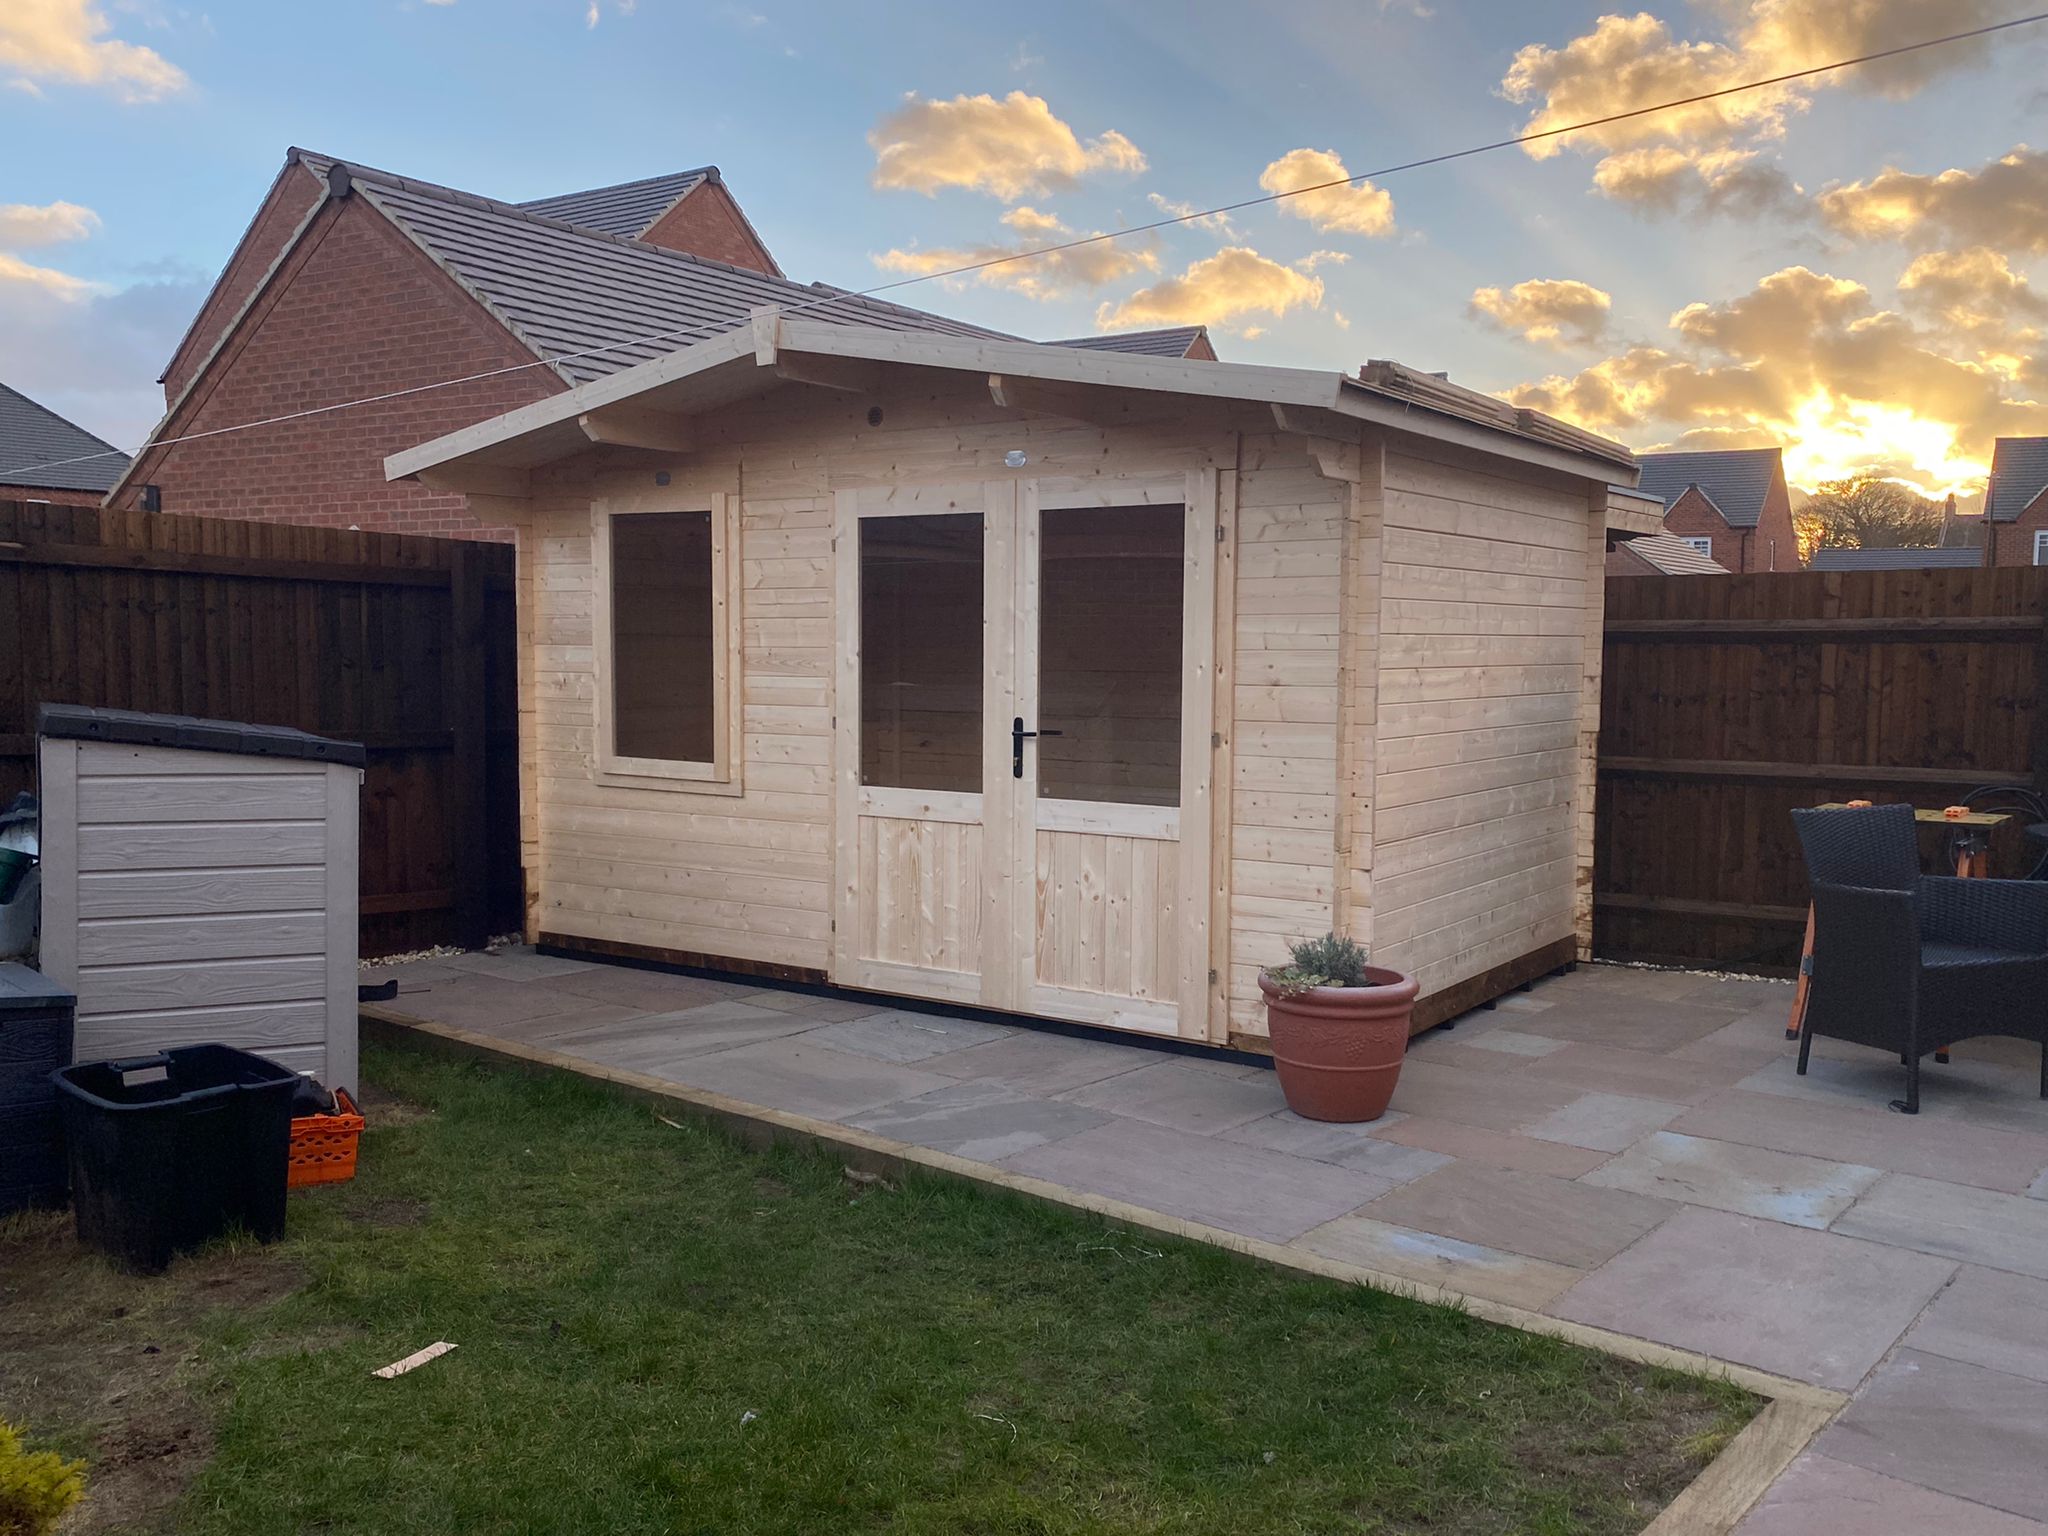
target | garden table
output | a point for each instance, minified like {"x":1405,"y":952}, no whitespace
{"x":1973,"y":862}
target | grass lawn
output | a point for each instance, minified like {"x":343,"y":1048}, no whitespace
{"x":660,"y":1330}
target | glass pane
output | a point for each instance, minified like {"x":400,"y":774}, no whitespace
{"x":920,"y":651}
{"x":662,"y":642}
{"x":1109,"y":665}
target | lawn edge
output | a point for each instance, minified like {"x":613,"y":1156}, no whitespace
{"x":1711,"y":1505}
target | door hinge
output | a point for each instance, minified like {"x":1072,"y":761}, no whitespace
{"x":1216,"y":738}
{"x":1219,"y":533}
{"x":1212,"y":978}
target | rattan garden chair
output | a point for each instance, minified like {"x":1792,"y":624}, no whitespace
{"x":1913,"y":963}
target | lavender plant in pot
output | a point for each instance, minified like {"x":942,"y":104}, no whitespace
{"x":1339,"y":1029}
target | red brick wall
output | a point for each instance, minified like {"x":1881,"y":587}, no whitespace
{"x":2013,"y":542}
{"x":1201,"y":351}
{"x":708,"y":223}
{"x":1694,"y":516}
{"x":356,"y":311}
{"x":294,"y":192}
{"x":55,"y":498}
{"x":1774,"y":545}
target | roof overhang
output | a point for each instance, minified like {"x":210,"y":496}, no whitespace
{"x":1632,"y":513}
{"x":622,"y":409}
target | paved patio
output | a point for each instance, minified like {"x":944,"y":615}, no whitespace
{"x":1628,"y":1149}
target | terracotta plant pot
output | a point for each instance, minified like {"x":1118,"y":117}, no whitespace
{"x":1338,"y":1050}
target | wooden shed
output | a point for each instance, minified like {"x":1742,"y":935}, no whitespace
{"x":1059,"y":682}
{"x":199,"y":884}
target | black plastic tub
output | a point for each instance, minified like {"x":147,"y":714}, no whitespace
{"x":35,"y":1039}
{"x":171,"y":1150}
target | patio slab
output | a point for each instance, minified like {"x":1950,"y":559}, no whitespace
{"x":654,"y":1042}
{"x":1242,"y":1189}
{"x":1978,"y":1092}
{"x":483,"y":1003}
{"x":905,"y":1036}
{"x":517,"y":962}
{"x":1570,"y":1224}
{"x":793,"y":1074}
{"x":1491,"y":1100}
{"x":1819,"y":1496}
{"x":1800,"y":1191}
{"x":1516,"y":1042}
{"x":1978,"y":1226}
{"x":1324,"y":1140}
{"x":983,"y":1120}
{"x":1991,"y":1319}
{"x":1809,"y":1305}
{"x":1958,"y":1429}
{"x":1637,"y":1024}
{"x":1042,"y":1063}
{"x":1605,"y":1122}
{"x":1872,"y":1135}
{"x":1493,"y":1149}
{"x":1639,"y":1074}
{"x":654,"y":991}
{"x":1170,"y":1093}
{"x":1431,"y":1259}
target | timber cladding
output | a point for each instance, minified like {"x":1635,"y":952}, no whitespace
{"x":1729,"y":702}
{"x":402,"y":644}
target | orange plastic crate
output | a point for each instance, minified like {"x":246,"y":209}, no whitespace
{"x":324,"y":1146}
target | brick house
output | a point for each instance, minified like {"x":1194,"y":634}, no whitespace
{"x":2015,"y":517}
{"x":1730,"y":504}
{"x":353,"y":284}
{"x":1661,"y":554}
{"x":43,"y":457}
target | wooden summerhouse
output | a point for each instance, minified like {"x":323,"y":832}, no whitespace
{"x":1054,"y":681}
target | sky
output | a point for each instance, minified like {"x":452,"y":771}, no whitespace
{"x":1844,"y":265}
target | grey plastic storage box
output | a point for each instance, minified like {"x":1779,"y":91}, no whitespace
{"x":35,"y":1040}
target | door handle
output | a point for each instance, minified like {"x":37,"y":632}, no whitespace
{"x":1018,"y":736}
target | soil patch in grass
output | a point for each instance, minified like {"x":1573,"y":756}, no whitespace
{"x":660,"y":1330}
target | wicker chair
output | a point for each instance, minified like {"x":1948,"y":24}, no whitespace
{"x":1913,"y":963}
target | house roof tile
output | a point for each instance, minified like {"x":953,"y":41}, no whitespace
{"x":35,"y":434}
{"x":630,"y":208}
{"x":1172,"y":342}
{"x":1674,"y":556}
{"x":1904,"y":559}
{"x":1736,"y":480}
{"x":2019,"y":474}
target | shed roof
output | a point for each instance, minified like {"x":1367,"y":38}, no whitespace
{"x":1735,"y":480}
{"x":35,"y":434}
{"x":1914,"y":558}
{"x":1172,"y":342}
{"x":1673,"y":556}
{"x":628,"y":208}
{"x":2019,"y":474}
{"x":778,"y":349}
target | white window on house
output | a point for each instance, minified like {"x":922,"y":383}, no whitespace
{"x":1704,"y":546}
{"x":666,"y":652}
{"x":2041,"y":546}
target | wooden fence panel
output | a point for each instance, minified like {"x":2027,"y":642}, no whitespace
{"x":1728,"y":702}
{"x":403,"y":644}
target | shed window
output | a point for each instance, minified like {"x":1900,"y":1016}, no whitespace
{"x":665,"y":674}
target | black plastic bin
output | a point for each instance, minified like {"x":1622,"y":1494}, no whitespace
{"x":35,"y":1039}
{"x":168,"y":1151}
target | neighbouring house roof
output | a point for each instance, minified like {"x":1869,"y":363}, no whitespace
{"x":1673,"y":556}
{"x":1173,"y":342}
{"x":598,"y":303}
{"x":777,"y":348}
{"x":1916,"y":558}
{"x":630,"y":208}
{"x":1735,"y":480}
{"x":32,"y":434}
{"x":2019,"y":474}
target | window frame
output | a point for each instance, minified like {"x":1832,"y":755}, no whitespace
{"x":721,"y":775}
{"x":2040,"y":534}
{"x":1700,"y":542}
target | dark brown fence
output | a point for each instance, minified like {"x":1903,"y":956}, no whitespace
{"x":1726,"y":702}
{"x":403,"y":644}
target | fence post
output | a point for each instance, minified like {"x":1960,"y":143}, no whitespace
{"x":467,"y":825}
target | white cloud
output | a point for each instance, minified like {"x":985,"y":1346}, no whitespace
{"x":1191,"y":215}
{"x":1361,"y":209}
{"x":1216,"y":290}
{"x":89,"y":353}
{"x":1665,"y":179}
{"x":65,"y":42}
{"x":1551,"y":312}
{"x":2003,"y":203}
{"x":1009,"y":148}
{"x":25,"y":226}
{"x":1029,"y":221}
{"x":1049,"y":276}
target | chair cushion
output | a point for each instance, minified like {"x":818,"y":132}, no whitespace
{"x":1939,"y":956}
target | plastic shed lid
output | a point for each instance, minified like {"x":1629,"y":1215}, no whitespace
{"x":25,"y":991}
{"x":77,"y":722}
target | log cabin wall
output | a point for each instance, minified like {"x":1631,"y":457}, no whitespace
{"x":1416,"y":787}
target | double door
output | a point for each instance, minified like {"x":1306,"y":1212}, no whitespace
{"x":1024,"y":695}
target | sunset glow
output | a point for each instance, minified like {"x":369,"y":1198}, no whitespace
{"x":1832,"y":439}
